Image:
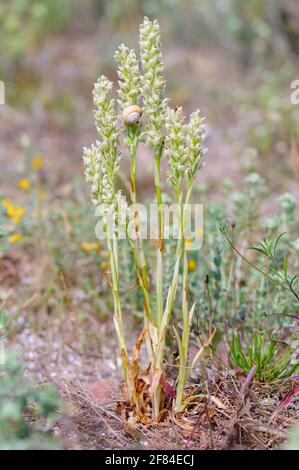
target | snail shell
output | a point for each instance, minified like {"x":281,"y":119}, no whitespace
{"x":131,"y":114}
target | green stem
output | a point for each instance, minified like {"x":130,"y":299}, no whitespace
{"x":160,"y":241}
{"x":117,"y":317}
{"x":179,"y":249}
{"x":249,"y":262}
{"x":138,"y":251}
{"x":183,"y":371}
{"x":162,"y":332}
{"x":139,"y":256}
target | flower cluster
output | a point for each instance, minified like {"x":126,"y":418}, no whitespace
{"x":194,"y":144}
{"x":153,"y":82}
{"x":106,"y":124}
{"x":88,"y":247}
{"x":129,"y":77}
{"x":24,"y":184}
{"x":96,"y":175}
{"x":184,"y":145}
{"x":101,"y":160}
{"x":14,"y":237}
{"x":114,"y":218}
{"x":175,"y":145}
{"x":15,"y":213}
{"x":122,"y":215}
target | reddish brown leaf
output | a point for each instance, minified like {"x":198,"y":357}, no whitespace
{"x":286,"y":400}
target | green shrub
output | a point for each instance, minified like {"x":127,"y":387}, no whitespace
{"x":26,"y":411}
{"x":272,"y":359}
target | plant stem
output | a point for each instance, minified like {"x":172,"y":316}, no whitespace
{"x":138,"y":252}
{"x":117,"y":317}
{"x":182,"y":376}
{"x":183,"y":371}
{"x":179,"y":249}
{"x":139,"y":256}
{"x":163,"y":328}
{"x":160,"y":241}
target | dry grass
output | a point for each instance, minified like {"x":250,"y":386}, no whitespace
{"x":229,"y":416}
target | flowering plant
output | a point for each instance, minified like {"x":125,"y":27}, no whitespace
{"x":145,"y":116}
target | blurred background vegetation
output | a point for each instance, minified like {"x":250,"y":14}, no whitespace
{"x":254,"y":33}
{"x":235,"y":59}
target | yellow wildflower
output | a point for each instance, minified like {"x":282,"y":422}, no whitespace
{"x":15,"y":237}
{"x":89,"y":246}
{"x":191,"y":264}
{"x":24,"y":184}
{"x":18,"y":214}
{"x":104,"y":253}
{"x":13,"y":212}
{"x":9,"y":207}
{"x":37,"y":162}
{"x":105,"y":265}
